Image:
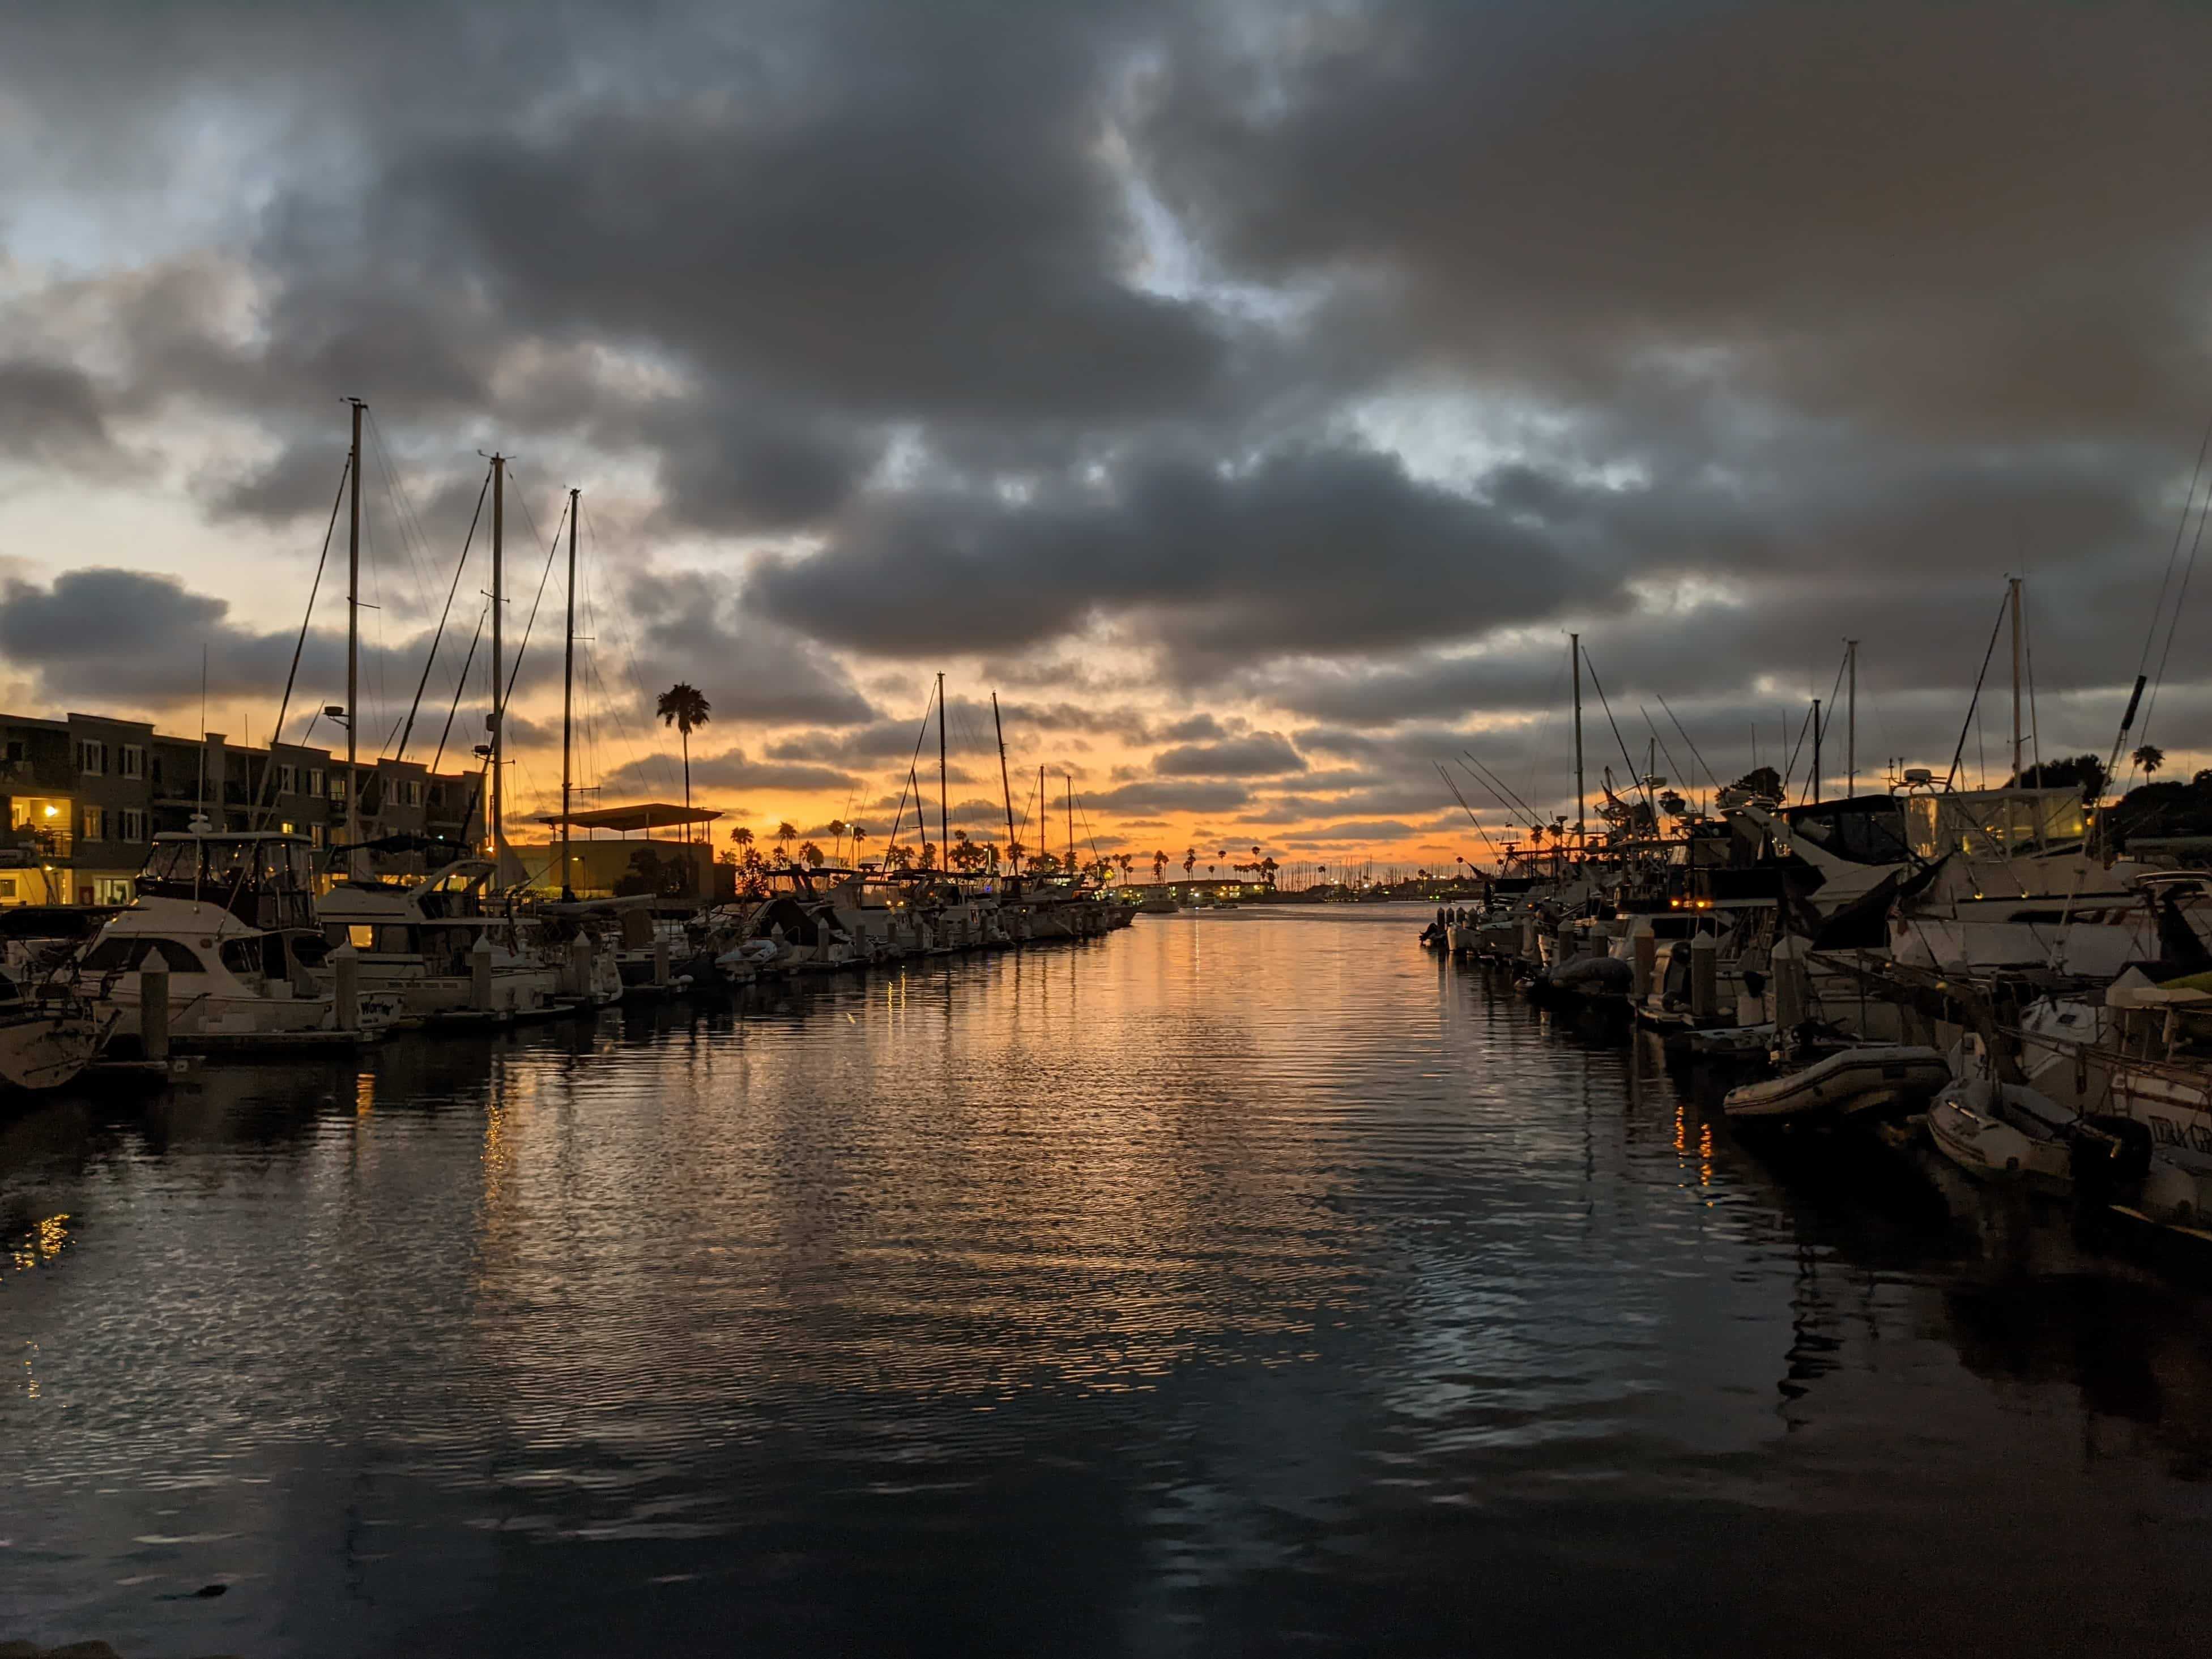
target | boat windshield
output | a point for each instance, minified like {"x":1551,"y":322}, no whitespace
{"x":1995,"y":823}
{"x":277,"y":864}
{"x":265,"y":880}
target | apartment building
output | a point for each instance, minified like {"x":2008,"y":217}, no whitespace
{"x":84,"y":795}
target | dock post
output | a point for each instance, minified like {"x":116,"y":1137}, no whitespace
{"x":579,"y":967}
{"x":1646,"y":959}
{"x":1705,"y":976}
{"x":480,"y":973}
{"x":345,"y":988}
{"x":661,"y":973}
{"x":153,"y":1005}
{"x":1790,"y":989}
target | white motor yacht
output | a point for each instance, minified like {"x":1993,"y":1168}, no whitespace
{"x":435,"y":945}
{"x":232,"y":916}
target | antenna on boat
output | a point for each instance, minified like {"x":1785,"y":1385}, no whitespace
{"x":1006,"y":792}
{"x":495,"y":786}
{"x":1816,"y":751}
{"x":1575,"y":660}
{"x":2014,"y":583}
{"x":1851,"y":721}
{"x":568,"y":695}
{"x":353,"y":640}
{"x":944,"y":834}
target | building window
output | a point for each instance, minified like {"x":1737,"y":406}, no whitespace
{"x":131,"y":761}
{"x":315,"y":835}
{"x":288,"y":779}
{"x":134,"y":824}
{"x":7,"y":889}
{"x":112,"y":890}
{"x":96,"y":824}
{"x":91,"y":759}
{"x":338,"y":787}
{"x":47,"y":822}
{"x":318,"y":783}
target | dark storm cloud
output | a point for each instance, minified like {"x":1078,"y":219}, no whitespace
{"x":729,"y":768}
{"x":99,"y":636}
{"x":1262,"y":755}
{"x":691,"y":628}
{"x":1312,"y":548}
{"x":50,"y":413}
{"x":1183,"y":796}
{"x":1984,"y":214}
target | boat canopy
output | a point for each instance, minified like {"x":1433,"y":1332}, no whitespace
{"x":265,"y":879}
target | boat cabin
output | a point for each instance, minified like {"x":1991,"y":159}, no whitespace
{"x":1996,"y":822}
{"x":266,"y":879}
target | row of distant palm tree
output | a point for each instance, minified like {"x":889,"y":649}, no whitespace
{"x":684,"y":707}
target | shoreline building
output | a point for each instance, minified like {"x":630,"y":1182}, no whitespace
{"x":84,"y":796}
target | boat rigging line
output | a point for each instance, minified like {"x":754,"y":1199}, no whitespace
{"x":292,"y":674}
{"x":1626,"y":759}
{"x":1687,"y":739}
{"x":1495,"y":782}
{"x":1959,"y":754}
{"x":460,"y":565}
{"x":1469,"y":810}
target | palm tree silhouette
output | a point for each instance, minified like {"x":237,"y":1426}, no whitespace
{"x":2150,"y":757}
{"x":785,"y":835}
{"x":742,"y":836}
{"x":859,"y":833}
{"x":684,"y":707}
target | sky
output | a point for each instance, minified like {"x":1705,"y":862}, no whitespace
{"x":1253,"y":397}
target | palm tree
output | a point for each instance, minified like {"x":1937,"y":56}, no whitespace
{"x":837,"y":828}
{"x":742,"y":836}
{"x":1189,"y":858}
{"x":1159,"y":867}
{"x":2150,"y":757}
{"x":684,"y":707}
{"x":785,"y":835}
{"x":860,"y":833}
{"x":812,"y":854}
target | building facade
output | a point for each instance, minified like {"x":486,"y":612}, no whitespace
{"x":84,"y":796}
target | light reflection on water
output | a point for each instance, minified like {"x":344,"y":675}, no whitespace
{"x":1245,"y":1280}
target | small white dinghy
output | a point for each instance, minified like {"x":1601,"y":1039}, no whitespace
{"x":1873,"y":1078}
{"x":2004,"y":1132}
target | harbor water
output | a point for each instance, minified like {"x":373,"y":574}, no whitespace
{"x":1248,"y":1281}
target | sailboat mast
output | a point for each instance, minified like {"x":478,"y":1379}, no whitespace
{"x":1574,"y":661}
{"x":1851,"y":724}
{"x":353,"y":638}
{"x":496,"y":794}
{"x":1005,"y":789}
{"x":2014,"y":583}
{"x":567,"y":698}
{"x":944,"y":835}
{"x":1069,"y":778}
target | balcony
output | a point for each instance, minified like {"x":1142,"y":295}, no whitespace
{"x":45,"y":844}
